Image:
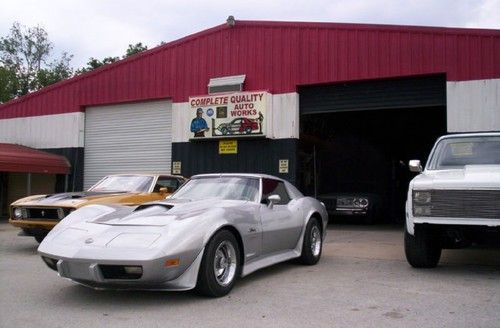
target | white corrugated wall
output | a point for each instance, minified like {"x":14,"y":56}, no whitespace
{"x":473,"y":105}
{"x":127,"y":138}
{"x":46,"y":131}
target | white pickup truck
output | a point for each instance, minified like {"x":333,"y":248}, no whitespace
{"x":455,"y":201}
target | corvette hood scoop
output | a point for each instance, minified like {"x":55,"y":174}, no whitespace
{"x":162,"y":213}
{"x":167,"y":203}
{"x":149,"y":215}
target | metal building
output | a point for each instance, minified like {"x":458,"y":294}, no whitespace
{"x":284,"y":98}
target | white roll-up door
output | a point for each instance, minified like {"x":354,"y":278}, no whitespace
{"x":127,"y":138}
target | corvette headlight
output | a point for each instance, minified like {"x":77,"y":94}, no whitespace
{"x":133,"y":270}
{"x":18,"y":213}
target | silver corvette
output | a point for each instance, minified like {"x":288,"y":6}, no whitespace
{"x":214,"y":229}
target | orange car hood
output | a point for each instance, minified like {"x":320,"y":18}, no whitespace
{"x":72,"y":199}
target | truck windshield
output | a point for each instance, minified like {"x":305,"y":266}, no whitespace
{"x":455,"y":153}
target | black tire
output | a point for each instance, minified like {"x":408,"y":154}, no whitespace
{"x":248,"y":130}
{"x":369,"y":219}
{"x":372,"y":216}
{"x":39,"y":238}
{"x":224,"y":131}
{"x":422,"y":250}
{"x":308,"y":256}
{"x":208,"y":283}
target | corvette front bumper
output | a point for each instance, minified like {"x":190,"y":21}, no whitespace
{"x":155,"y":274}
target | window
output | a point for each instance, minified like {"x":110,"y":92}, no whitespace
{"x":124,"y":183}
{"x":163,"y":182}
{"x":274,"y":187}
{"x":456,"y":152}
{"x":226,"y":187}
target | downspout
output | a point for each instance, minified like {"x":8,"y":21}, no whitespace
{"x":28,"y":185}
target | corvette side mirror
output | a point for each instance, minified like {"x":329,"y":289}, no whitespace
{"x":273,"y":199}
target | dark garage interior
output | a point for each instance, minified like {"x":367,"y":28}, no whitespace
{"x":354,"y":148}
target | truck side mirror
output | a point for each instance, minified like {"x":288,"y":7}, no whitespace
{"x":415,"y":166}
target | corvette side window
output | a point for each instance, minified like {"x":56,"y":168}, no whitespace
{"x":275,"y":187}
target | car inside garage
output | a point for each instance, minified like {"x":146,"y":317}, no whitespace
{"x":356,"y":140}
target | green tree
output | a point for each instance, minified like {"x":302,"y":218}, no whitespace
{"x":24,"y":56}
{"x":56,"y":71}
{"x":135,"y":49}
{"x":94,"y":63}
{"x":9,"y":84}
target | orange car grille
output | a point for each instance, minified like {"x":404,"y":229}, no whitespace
{"x":45,"y":213}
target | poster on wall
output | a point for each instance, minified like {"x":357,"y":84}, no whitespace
{"x":240,"y":114}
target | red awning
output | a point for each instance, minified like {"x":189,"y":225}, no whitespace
{"x":16,"y":158}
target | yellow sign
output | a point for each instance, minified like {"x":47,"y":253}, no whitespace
{"x":228,"y":146}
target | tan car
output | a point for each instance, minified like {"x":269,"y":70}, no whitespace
{"x":37,"y":215}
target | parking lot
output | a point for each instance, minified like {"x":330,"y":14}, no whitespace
{"x":362,"y":280}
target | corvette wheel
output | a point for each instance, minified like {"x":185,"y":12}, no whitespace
{"x":220,"y":265}
{"x":313,"y":243}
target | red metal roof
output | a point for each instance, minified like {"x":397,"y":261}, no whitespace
{"x":275,"y":56}
{"x":16,"y":158}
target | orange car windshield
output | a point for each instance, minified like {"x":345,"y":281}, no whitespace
{"x":123,"y":183}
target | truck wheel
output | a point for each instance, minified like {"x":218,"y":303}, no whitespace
{"x":422,"y":250}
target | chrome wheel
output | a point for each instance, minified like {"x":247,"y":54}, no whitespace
{"x":315,"y":241}
{"x":225,"y":263}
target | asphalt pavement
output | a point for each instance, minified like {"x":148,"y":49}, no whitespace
{"x":362,"y":280}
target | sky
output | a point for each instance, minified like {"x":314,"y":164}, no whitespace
{"x":101,"y":28}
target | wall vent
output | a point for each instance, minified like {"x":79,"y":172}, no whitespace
{"x":226,"y":84}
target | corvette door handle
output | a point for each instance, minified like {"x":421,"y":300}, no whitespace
{"x":252,"y":230}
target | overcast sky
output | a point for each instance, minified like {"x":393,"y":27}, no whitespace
{"x":100,"y":28}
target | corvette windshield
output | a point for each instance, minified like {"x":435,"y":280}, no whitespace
{"x":234,"y":188}
{"x":124,"y":183}
{"x":455,"y":153}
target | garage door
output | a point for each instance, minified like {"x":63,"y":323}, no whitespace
{"x":411,"y":92}
{"x":127,"y":138}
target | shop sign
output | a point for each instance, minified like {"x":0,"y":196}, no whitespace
{"x":176,"y":167}
{"x":228,"y":146}
{"x":240,"y":114}
{"x":283,"y":166}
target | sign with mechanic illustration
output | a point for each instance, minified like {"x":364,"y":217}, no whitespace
{"x":232,"y":115}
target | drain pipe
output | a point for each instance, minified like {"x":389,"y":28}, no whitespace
{"x":314,"y":172}
{"x":28,"y":185}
